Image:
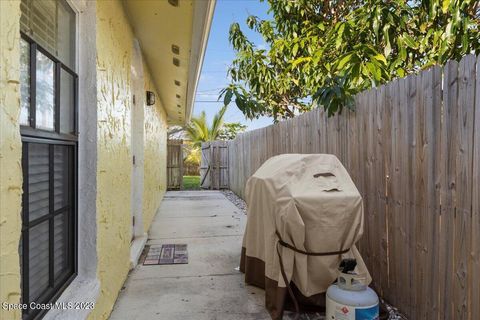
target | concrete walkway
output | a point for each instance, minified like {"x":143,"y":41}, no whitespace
{"x":209,"y":286}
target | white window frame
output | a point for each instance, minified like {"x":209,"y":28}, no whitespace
{"x":86,"y":286}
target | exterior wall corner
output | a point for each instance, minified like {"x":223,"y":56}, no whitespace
{"x":10,"y":157}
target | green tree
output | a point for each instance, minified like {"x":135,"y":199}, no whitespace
{"x":230,"y":130}
{"x":192,"y":159}
{"x":322,"y":52}
{"x":198,"y":130}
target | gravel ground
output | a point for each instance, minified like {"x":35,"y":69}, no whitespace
{"x":391,"y":313}
{"x":236,"y":200}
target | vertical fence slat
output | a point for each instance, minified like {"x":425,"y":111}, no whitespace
{"x":403,"y":200}
{"x":362,"y":138}
{"x":351,"y":142}
{"x":435,"y":185}
{"x":379,"y":188}
{"x":395,"y":196}
{"x":387,"y":158}
{"x":475,"y":228}
{"x":410,"y":207}
{"x":448,"y":194}
{"x":430,"y":207}
{"x":464,"y":150}
{"x":370,"y":183}
{"x":421,"y":194}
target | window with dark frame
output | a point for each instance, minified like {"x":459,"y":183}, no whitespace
{"x":48,"y":119}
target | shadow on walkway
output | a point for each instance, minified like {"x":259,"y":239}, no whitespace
{"x":209,"y":286}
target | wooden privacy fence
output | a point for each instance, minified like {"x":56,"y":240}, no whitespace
{"x":214,"y":165}
{"x":174,"y":164}
{"x":412,"y":148}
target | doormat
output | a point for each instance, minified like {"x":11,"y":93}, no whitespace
{"x":166,"y":254}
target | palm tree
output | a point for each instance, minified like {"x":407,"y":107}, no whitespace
{"x":199,"y":131}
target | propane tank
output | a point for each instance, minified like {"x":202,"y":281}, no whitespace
{"x":350,"y":298}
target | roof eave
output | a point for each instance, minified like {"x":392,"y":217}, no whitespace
{"x":202,"y":21}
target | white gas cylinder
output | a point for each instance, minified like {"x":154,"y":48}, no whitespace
{"x":350,"y":299}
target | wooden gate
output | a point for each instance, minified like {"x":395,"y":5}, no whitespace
{"x":214,"y":165}
{"x":174,"y":164}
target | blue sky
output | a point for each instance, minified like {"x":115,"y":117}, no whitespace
{"x":219,"y":55}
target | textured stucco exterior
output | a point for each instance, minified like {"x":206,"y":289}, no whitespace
{"x":114,"y":166}
{"x":155,"y":157}
{"x":10,"y":156}
{"x":113,"y":152}
{"x":105,"y":154}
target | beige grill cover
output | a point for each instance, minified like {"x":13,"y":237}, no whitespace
{"x":314,"y":205}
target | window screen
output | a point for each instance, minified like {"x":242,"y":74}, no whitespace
{"x":48,"y":228}
{"x":38,"y":180}
{"x":48,"y":93}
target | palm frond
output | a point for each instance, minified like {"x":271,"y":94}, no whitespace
{"x":217,"y":123}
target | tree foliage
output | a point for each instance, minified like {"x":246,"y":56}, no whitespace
{"x":193,"y":155}
{"x":198,"y":130}
{"x":322,"y":52}
{"x":230,"y":130}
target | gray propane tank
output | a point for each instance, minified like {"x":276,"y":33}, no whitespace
{"x":350,"y":298}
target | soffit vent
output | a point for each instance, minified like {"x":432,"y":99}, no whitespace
{"x":175,"y":49}
{"x":173,"y":2}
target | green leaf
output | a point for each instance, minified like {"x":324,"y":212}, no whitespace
{"x":295,"y":49}
{"x":403,"y":53}
{"x":388,"y":46}
{"x":338,"y":41}
{"x":240,"y":104}
{"x":300,"y":60}
{"x":445,"y":5}
{"x":380,"y":57}
{"x":448,"y":30}
{"x":228,"y":97}
{"x":344,"y":60}
{"x":409,"y":41}
{"x":374,"y":71}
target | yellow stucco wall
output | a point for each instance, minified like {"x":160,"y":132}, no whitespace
{"x":114,"y":54}
{"x":114,"y":39}
{"x":10,"y":156}
{"x":155,"y":157}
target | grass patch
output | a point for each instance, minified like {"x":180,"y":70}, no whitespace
{"x":191,"y":182}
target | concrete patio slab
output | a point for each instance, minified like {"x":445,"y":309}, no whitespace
{"x":210,"y":255}
{"x":208,"y":287}
{"x":197,"y":227}
{"x":200,"y":208}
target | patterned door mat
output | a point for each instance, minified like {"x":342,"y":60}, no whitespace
{"x":166,"y":254}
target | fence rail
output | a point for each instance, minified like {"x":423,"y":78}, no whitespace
{"x":412,"y":148}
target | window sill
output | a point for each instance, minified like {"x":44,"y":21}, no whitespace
{"x":81,"y":289}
